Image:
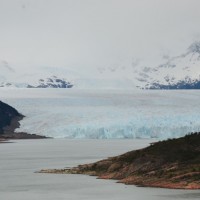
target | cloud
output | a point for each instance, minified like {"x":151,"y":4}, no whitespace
{"x":89,"y":34}
{"x":4,"y":64}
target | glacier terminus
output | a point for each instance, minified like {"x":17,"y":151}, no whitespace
{"x":104,"y":114}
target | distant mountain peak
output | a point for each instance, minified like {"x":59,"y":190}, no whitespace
{"x":53,"y":82}
{"x":180,"y":72}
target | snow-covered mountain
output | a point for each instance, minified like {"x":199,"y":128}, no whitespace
{"x":51,"y":82}
{"x":180,"y":72}
{"x":46,"y":78}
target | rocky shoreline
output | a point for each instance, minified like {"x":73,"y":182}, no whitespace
{"x":9,"y":131}
{"x":173,"y":164}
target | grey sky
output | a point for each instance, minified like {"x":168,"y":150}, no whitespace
{"x":93,"y":33}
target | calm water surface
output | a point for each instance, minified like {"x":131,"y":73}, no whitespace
{"x":19,"y":161}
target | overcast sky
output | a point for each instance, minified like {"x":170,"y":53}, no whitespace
{"x":94,"y":33}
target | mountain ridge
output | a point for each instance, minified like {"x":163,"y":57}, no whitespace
{"x":178,"y":72}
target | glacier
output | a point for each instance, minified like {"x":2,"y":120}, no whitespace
{"x":105,"y":114}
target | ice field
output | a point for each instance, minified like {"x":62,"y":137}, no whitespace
{"x":70,"y":113}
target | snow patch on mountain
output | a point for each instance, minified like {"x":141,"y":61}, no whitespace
{"x":181,"y":72}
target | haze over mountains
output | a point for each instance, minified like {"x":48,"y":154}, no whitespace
{"x":180,"y":72}
{"x":123,"y":44}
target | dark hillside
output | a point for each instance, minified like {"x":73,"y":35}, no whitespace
{"x":7,"y":114}
{"x":9,"y":121}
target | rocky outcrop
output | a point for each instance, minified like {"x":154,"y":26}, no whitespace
{"x":182,"y":84}
{"x":174,"y":163}
{"x":7,"y":114}
{"x":9,"y":121}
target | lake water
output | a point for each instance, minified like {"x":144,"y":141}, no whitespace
{"x":19,"y":161}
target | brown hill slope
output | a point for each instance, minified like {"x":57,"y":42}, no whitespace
{"x":174,"y":163}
